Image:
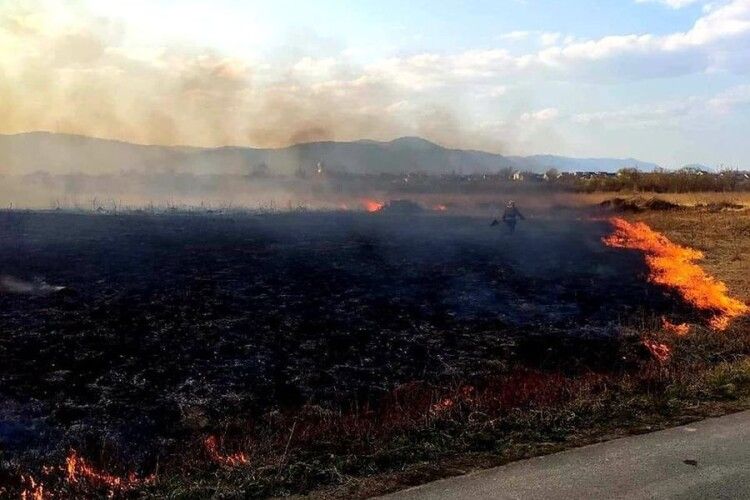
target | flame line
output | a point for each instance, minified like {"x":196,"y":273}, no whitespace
{"x":674,"y":266}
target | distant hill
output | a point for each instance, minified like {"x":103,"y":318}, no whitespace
{"x":564,"y":164}
{"x":63,"y":154}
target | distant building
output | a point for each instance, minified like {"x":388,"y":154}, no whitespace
{"x":585,"y":175}
{"x":693,"y":170}
{"x":536,"y":177}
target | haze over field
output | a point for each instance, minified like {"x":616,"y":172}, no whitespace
{"x":661,"y":80}
{"x":66,"y":154}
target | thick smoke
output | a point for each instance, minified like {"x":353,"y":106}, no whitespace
{"x":64,"y":70}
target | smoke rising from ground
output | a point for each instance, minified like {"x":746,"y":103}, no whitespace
{"x":64,"y":70}
{"x":9,"y":284}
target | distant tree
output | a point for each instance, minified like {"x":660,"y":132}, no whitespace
{"x":300,"y":173}
{"x":506,"y":172}
{"x":628,"y":172}
{"x":259,"y":170}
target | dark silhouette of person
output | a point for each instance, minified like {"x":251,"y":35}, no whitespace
{"x":510,"y":217}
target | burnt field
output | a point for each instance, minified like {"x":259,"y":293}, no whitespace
{"x":133,"y":337}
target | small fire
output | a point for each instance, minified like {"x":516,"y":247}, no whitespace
{"x":32,"y":489}
{"x":674,"y":266}
{"x":440,"y":208}
{"x":679,"y":329}
{"x":78,"y":470}
{"x":464,"y":395}
{"x":658,"y":350}
{"x":372,"y":205}
{"x":443,"y":406}
{"x":234,"y":460}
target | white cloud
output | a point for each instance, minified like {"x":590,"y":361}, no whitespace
{"x":730,"y":99}
{"x":674,"y":4}
{"x":544,"y":38}
{"x":547,"y":39}
{"x":427,"y":71}
{"x":718,"y":41}
{"x":497,"y":91}
{"x":693,"y":111}
{"x":516,"y":35}
{"x":640,"y":116}
{"x":543,"y":115}
{"x":317,"y":69}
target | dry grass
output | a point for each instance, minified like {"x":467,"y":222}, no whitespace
{"x":683,"y":199}
{"x":541,"y":203}
{"x":724,"y":237}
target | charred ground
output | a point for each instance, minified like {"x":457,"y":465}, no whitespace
{"x":170,"y":326}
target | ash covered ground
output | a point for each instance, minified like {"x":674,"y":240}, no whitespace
{"x":171,"y":322}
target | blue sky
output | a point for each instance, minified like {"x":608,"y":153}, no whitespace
{"x":661,"y":80}
{"x":389,"y":27}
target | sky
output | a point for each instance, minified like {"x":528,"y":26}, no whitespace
{"x":660,"y":80}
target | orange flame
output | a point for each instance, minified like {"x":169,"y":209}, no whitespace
{"x":464,"y":395}
{"x":660,"y":351}
{"x":440,"y":208}
{"x":372,"y":205}
{"x":679,"y":329}
{"x":78,"y":469}
{"x":33,"y":490}
{"x":234,"y":460}
{"x":674,"y":266}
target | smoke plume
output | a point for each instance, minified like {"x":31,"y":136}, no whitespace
{"x":62,"y":69}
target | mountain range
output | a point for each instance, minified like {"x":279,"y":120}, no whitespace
{"x":65,"y":154}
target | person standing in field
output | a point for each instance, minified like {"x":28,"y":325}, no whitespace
{"x":510,"y":217}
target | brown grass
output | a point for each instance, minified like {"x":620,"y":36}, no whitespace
{"x":543,"y":203}
{"x":724,"y":237}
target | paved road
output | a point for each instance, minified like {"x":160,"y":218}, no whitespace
{"x":717,"y":452}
